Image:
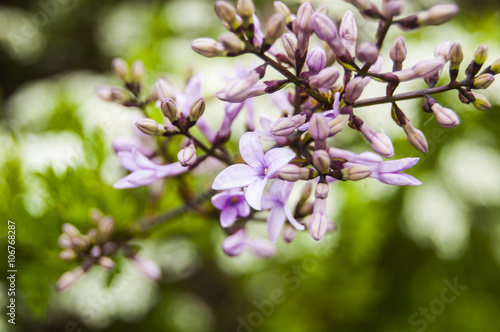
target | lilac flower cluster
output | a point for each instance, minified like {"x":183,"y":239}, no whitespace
{"x":318,"y":96}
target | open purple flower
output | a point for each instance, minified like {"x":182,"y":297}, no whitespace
{"x":235,"y":243}
{"x":144,"y":171}
{"x":232,"y":204}
{"x":385,"y":171}
{"x":277,"y":201}
{"x":256,"y":173}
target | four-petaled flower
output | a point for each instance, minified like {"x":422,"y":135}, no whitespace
{"x":279,"y":212}
{"x":144,"y":171}
{"x":256,"y":173}
{"x":232,"y":204}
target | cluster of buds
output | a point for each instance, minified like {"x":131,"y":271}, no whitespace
{"x":95,"y":248}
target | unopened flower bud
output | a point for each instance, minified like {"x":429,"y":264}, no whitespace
{"x":232,"y":43}
{"x":398,"y":50}
{"x":71,"y":230}
{"x":111,"y":94}
{"x":92,"y":235}
{"x":289,"y":234}
{"x":293,"y":173}
{"x":381,"y":143}
{"x":317,"y":225}
{"x":316,"y":60}
{"x":366,"y":8}
{"x":445,"y":116}
{"x":495,"y":66}
{"x":437,"y":14}
{"x":318,"y":128}
{"x":443,"y":50}
{"x":68,"y":254}
{"x":305,"y":193}
{"x":367,"y":52}
{"x":106,"y":262}
{"x":290,"y":44}
{"x":321,"y":190}
{"x":286,"y":126}
{"x":481,"y":54}
{"x":481,"y":103}
{"x":227,"y":14}
{"x":353,"y":90}
{"x":106,"y":226}
{"x":149,"y":268}
{"x":338,"y":124}
{"x":170,"y":109}
{"x":348,"y":33}
{"x":391,"y":8}
{"x":326,"y":30}
{"x":246,"y":9}
{"x":95,"y":251}
{"x":321,"y":161}
{"x":281,"y":8}
{"x":187,"y":156}
{"x":275,"y":28}
{"x":326,"y":78}
{"x":64,"y":241}
{"x":120,"y":68}
{"x":164,"y":90}
{"x":483,"y":81}
{"x":208,"y":47}
{"x":416,"y":137}
{"x":355,"y":173}
{"x":422,"y":69}
{"x":196,"y":110}
{"x":456,"y":56}
{"x":68,"y":279}
{"x":150,"y":127}
{"x":138,"y":71}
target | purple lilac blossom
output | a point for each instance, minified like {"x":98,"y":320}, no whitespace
{"x":144,"y":171}
{"x":276,"y":202}
{"x":232,"y":204}
{"x":256,"y":173}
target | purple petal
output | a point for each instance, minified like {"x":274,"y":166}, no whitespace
{"x":280,"y":99}
{"x":234,"y":244}
{"x":243,"y":209}
{"x":275,"y":222}
{"x":235,"y":176}
{"x":251,"y":151}
{"x":142,"y":161}
{"x":292,"y":220}
{"x":124,"y":184}
{"x":170,"y":170}
{"x":397,"y":165}
{"x":220,"y":200}
{"x":277,"y":158}
{"x":142,"y":177}
{"x":254,"y":192}
{"x":261,"y":247}
{"x":399,"y":179}
{"x":127,"y":161}
{"x":193,"y":89}
{"x":228,"y":216}
{"x":267,"y":202}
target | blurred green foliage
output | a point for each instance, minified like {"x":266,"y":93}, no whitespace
{"x":374,"y":274}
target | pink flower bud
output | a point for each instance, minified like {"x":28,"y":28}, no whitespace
{"x":348,"y":33}
{"x":367,"y":52}
{"x":150,"y":127}
{"x":318,"y":128}
{"x":316,"y":60}
{"x":187,"y":156}
{"x":445,"y":116}
{"x":325,"y":79}
{"x":120,"y":68}
{"x":208,"y":47}
{"x":353,"y":90}
{"x":318,"y":224}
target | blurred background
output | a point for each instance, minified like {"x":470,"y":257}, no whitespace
{"x":403,"y":259}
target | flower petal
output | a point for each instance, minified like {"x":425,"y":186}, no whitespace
{"x":260,"y":247}
{"x":277,"y":158}
{"x":142,"y":177}
{"x":292,"y":220}
{"x":127,"y":161}
{"x":170,"y":170}
{"x":399,"y":179}
{"x":234,"y":244}
{"x":142,"y":161}
{"x":235,"y":176}
{"x":254,"y":192}
{"x":275,"y":222}
{"x":228,"y":216}
{"x":220,"y":200}
{"x":397,"y":165}
{"x":250,"y":150}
